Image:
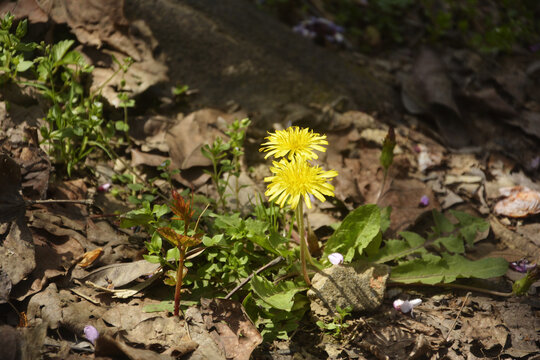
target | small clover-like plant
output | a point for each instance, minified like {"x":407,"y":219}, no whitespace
{"x":337,"y":325}
{"x":12,"y":49}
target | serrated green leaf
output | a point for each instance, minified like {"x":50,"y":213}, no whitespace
{"x":356,"y":232}
{"x":442,"y":224}
{"x":451,"y":243}
{"x":60,"y":49}
{"x":395,"y":249}
{"x":279,"y":296}
{"x":212,"y":241}
{"x":160,"y":210}
{"x":433,"y":270}
{"x":470,"y":226}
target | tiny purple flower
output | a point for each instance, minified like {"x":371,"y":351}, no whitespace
{"x":335,"y":258}
{"x":522,"y":266}
{"x":424,"y":201}
{"x":104,"y":187}
{"x":91,"y":333}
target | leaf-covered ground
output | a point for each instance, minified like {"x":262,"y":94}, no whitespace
{"x":467,"y":129}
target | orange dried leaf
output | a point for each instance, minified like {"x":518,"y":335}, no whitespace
{"x":89,"y":257}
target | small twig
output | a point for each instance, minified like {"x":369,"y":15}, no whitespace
{"x":86,"y":297}
{"x":243,"y":282}
{"x":53,"y":201}
{"x":458,"y":315}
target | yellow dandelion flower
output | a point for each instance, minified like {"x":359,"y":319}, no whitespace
{"x":295,"y":178}
{"x":294,"y":141}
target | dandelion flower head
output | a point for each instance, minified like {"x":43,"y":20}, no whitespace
{"x":294,"y":141}
{"x":296,"y":178}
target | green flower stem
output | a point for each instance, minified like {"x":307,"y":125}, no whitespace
{"x":303,"y":245}
{"x":385,"y":176}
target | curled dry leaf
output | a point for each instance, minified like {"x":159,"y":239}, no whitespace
{"x":520,"y":202}
{"x":89,"y":257}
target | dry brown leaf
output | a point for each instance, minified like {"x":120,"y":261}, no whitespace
{"x":89,"y":257}
{"x":120,"y":274}
{"x":234,"y":331}
{"x":108,"y":347}
{"x":485,"y":328}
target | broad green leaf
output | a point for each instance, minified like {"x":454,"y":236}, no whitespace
{"x":152,"y":259}
{"x":356,"y":232}
{"x":156,"y":243}
{"x":279,"y":296}
{"x":60,"y":49}
{"x":385,"y":218}
{"x":134,"y":219}
{"x":212,"y":241}
{"x":25,"y":47}
{"x":451,"y":243}
{"x":442,"y":224}
{"x":135,"y":187}
{"x":173,"y":254}
{"x":433,"y":270}
{"x":393,"y":249}
{"x":374,"y":246}
{"x":24,"y":65}
{"x":470,"y":225}
{"x":160,"y":210}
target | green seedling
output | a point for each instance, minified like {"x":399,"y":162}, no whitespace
{"x":337,"y":325}
{"x":226,"y":159}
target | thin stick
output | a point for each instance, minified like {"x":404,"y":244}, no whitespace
{"x":87,"y":298}
{"x":458,"y":315}
{"x":53,"y":201}
{"x":244,"y":282}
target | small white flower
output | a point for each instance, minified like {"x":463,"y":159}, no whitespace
{"x":335,"y":258}
{"x":406,"y":306}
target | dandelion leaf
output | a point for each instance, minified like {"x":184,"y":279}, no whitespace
{"x":394,"y":249}
{"x":280,"y":296}
{"x":470,"y":225}
{"x":356,"y":232}
{"x":431,"y":269}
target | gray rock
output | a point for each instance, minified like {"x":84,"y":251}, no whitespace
{"x":360,"y":286}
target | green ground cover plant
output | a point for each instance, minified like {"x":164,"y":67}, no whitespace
{"x":75,"y":122}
